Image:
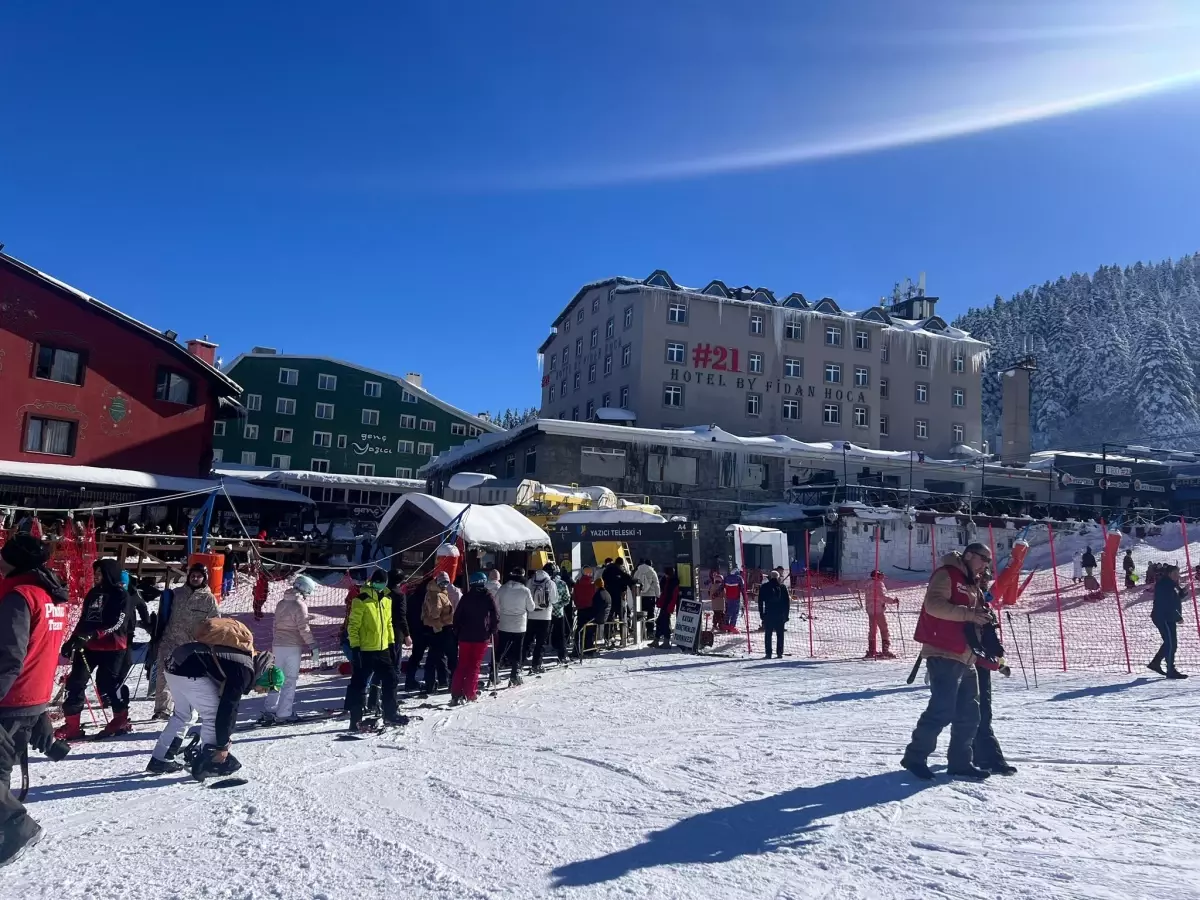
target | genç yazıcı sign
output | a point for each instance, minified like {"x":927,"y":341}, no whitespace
{"x":1120,"y":477}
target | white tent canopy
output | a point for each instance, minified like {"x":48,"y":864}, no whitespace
{"x":497,"y":528}
{"x":758,"y":536}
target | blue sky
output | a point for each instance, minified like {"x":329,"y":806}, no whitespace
{"x":422,"y":186}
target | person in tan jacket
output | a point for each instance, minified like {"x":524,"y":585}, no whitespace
{"x":191,"y":604}
{"x":437,"y":614}
{"x":293,"y":635}
{"x":953,"y":599}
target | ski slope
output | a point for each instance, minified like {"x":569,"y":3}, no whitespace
{"x":648,"y":774}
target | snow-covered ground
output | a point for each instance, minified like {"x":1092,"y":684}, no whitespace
{"x":651,"y":775}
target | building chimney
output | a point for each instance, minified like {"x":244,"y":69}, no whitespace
{"x":1016,"y":441}
{"x":203,"y":349}
{"x":414,"y":378}
{"x":486,"y":416}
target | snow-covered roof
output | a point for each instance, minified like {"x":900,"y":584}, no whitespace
{"x":211,"y":372}
{"x":827,"y":452}
{"x":782,"y":512}
{"x":486,"y":424}
{"x":607,"y":516}
{"x":304,"y":476}
{"x":608,"y":414}
{"x":498,"y":528}
{"x":129,"y":478}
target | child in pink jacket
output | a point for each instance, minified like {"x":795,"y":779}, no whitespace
{"x":877,"y":600}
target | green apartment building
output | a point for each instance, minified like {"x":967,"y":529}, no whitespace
{"x":324,"y":415}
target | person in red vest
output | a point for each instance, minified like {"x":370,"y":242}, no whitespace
{"x":33,"y":618}
{"x":953,"y":600}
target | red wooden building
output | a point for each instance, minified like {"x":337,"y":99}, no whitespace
{"x":87,"y":385}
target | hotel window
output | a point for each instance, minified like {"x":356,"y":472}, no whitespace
{"x":624,"y":398}
{"x":531,"y":460}
{"x":289,"y":376}
{"x":285,"y":406}
{"x":562,"y":388}
{"x":575,"y":381}
{"x":862,"y":376}
{"x":410,"y":397}
{"x":324,"y":411}
{"x":673,"y":396}
{"x":248,"y":457}
{"x":922,"y":357}
{"x":283,"y":435}
{"x":510,"y":465}
{"x":960,"y":362}
{"x":595,"y":304}
{"x":366,"y":468}
{"x":372,"y":389}
{"x":833,"y":335}
{"x":793,"y":367}
{"x":608,"y":364}
{"x":428,"y":425}
{"x":862,"y":339}
{"x":55,"y":364}
{"x":791,"y":410}
{"x":831,"y":414}
{"x":404,"y":446}
{"x":322,"y":439}
{"x":579,"y":346}
{"x":610,"y":328}
{"x":883,"y":426}
{"x":424,"y":448}
{"x":592,"y":374}
{"x":595,"y":339}
{"x":958,"y":397}
{"x":793,"y":328}
{"x":753,"y":404}
{"x":341,"y":442}
{"x":922,"y":392}
{"x":958,"y":433}
{"x":460,"y":430}
{"x":884,"y":352}
{"x":676,"y":352}
{"x":756,"y":324}
{"x":408,"y":421}
{"x":403,"y":472}
{"x":862,"y":418}
{"x":626,"y":355}
{"x":574,"y":413}
{"x":370,"y":417}
{"x":250,"y":431}
{"x":280,"y":461}
{"x":550,"y":398}
{"x":628,"y":319}
{"x":677,"y":312}
{"x":218,"y":429}
{"x":52,"y":436}
{"x":833,"y":373}
{"x":922,"y":431}
{"x":326,"y":382}
{"x":589,"y":411}
{"x":318,"y":465}
{"x":253,"y":402}
{"x":579,"y":315}
{"x":756,"y":364}
{"x":218,"y":455}
{"x":605,"y":400}
{"x":883,"y":388}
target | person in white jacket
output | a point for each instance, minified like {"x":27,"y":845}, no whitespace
{"x":515,"y":603}
{"x":544,"y":593}
{"x":293,"y":634}
{"x":648,"y":591}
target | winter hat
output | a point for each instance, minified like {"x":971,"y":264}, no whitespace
{"x":379,"y":577}
{"x":198,"y":567}
{"x":264,"y":662}
{"x":478,"y":578}
{"x":550,"y":569}
{"x":442,"y":578}
{"x":773,"y":574}
{"x":304,"y":585}
{"x":980,"y":550}
{"x":395,"y":579}
{"x":516,"y":574}
{"x":24,"y":552}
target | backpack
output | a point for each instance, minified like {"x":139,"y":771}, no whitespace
{"x":541,"y":594}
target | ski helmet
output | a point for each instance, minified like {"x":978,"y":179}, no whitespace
{"x":478,"y":578}
{"x":304,"y":585}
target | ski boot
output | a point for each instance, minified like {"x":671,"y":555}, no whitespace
{"x":266,"y":720}
{"x":886,"y":654}
{"x":18,"y":836}
{"x":118,"y":725}
{"x":167,"y":766}
{"x":917,"y":767}
{"x":515,"y":681}
{"x":70,"y":730}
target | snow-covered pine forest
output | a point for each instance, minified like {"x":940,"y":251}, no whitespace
{"x":1118,"y":355}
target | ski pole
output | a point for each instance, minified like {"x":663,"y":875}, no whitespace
{"x":1017,"y":644}
{"x":912,"y":676}
{"x":1032,"y":649}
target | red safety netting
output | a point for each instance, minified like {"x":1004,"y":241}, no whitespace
{"x":1060,"y":621}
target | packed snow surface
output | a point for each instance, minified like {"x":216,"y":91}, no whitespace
{"x":648,"y":774}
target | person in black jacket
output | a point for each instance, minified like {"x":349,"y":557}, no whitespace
{"x":1089,"y":562}
{"x":602,"y":603}
{"x":1130,"y":568}
{"x":99,"y":645}
{"x":617,"y":581}
{"x":420,"y":634}
{"x":399,"y":614}
{"x":1166,"y":615}
{"x":775,"y":604}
